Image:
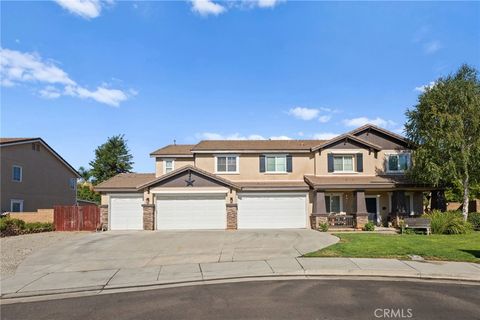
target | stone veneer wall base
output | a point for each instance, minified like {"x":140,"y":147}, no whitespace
{"x":232,"y":209}
{"x":104,"y":217}
{"x":148,"y":216}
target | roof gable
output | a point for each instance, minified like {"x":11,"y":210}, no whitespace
{"x":348,"y":138}
{"x":6,"y":142}
{"x":382,"y":137}
{"x":189,"y":176}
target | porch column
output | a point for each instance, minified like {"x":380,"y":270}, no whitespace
{"x":319,"y":209}
{"x":438,"y":201}
{"x":361,"y":214}
{"x":148,"y":216}
{"x":399,"y":207}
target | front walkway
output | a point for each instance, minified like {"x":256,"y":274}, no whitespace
{"x":96,"y":281}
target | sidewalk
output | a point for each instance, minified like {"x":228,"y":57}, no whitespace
{"x":39,"y":283}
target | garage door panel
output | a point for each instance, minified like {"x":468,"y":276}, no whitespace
{"x":191,"y":212}
{"x":271,"y":211}
{"x":126,"y":213}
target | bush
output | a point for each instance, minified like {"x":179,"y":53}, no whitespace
{"x":450,"y":222}
{"x":323,"y":227}
{"x":369,"y":226}
{"x":39,"y":226}
{"x":474,"y":219}
{"x":9,"y":223}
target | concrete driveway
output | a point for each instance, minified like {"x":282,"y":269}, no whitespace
{"x":138,"y":249}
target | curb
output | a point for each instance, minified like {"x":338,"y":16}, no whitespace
{"x":94,"y":290}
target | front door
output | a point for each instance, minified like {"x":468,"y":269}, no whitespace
{"x":372,"y":209}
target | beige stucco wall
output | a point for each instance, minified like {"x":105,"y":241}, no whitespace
{"x":45,"y":179}
{"x":249,"y":167}
{"x":178,"y":163}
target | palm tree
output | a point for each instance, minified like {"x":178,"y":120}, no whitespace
{"x":85,"y":174}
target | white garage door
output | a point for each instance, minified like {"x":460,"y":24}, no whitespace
{"x":191,"y":211}
{"x":267,"y":211}
{"x":126,"y":212}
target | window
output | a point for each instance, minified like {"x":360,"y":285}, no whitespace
{"x":343,"y":163}
{"x":72,"y":183}
{"x":168,"y":165}
{"x":16,"y":205}
{"x":398,"y":162}
{"x":276,"y":163}
{"x":17,"y":174}
{"x":333,"y":203}
{"x":227,"y":164}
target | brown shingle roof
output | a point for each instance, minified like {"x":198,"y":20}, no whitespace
{"x":10,"y":140}
{"x":128,"y":181}
{"x":272,"y":185}
{"x":356,"y":181}
{"x":256,"y":145}
{"x":174,"y":150}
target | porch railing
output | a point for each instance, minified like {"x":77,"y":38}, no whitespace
{"x":341,"y":221}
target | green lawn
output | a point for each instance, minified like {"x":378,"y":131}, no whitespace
{"x":432,"y":247}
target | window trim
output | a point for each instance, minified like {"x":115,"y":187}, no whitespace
{"x":282,"y":155}
{"x":12,"y":201}
{"x":354,"y":162}
{"x":341,"y":202}
{"x":165,"y":165}
{"x":237,"y":163}
{"x":387,"y":158}
{"x":13,"y":174}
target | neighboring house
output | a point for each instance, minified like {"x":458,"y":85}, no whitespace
{"x":34,"y":176}
{"x":249,"y":184}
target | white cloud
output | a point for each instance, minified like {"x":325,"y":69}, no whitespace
{"x":20,"y":68}
{"x":87,"y":9}
{"x":324,"y":135}
{"x":360,"y":121}
{"x":432,"y":47}
{"x":304,"y":113}
{"x":236,"y":136}
{"x":207,"y":7}
{"x":280,"y":138}
{"x":324,"y":119}
{"x":425,"y":87}
{"x":267,"y":3}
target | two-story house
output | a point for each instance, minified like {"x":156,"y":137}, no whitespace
{"x":34,"y":176}
{"x":249,"y":184}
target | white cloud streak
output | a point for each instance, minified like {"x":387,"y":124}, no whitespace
{"x":425,"y":87}
{"x":324,"y":135}
{"x":207,"y":7}
{"x":360,"y":121}
{"x":29,"y":68}
{"x":432,"y":47}
{"x":87,"y":9}
{"x":236,"y":136}
{"x":304,"y":113}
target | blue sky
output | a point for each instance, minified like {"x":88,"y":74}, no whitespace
{"x":76,"y":73}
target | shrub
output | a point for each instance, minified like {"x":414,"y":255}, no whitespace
{"x":369,"y":226}
{"x":39,"y":226}
{"x":9,"y":223}
{"x":474,"y":219}
{"x":450,"y":222}
{"x":323,"y":227}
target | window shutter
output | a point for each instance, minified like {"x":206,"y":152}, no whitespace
{"x":262,"y":163}
{"x":359,"y":162}
{"x":330,"y":162}
{"x":289,"y":163}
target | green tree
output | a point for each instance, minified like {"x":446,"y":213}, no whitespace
{"x":445,"y":128}
{"x":85,"y":192}
{"x":85,"y":175}
{"x":111,"y":158}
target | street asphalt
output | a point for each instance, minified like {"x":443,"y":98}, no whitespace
{"x":292,"y":299}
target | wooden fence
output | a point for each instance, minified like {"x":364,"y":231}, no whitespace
{"x":76,"y":218}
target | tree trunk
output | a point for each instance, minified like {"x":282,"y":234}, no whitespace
{"x":465,"y":199}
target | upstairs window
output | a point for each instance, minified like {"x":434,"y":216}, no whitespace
{"x":343,"y":163}
{"x":398,"y":162}
{"x":169,"y":165}
{"x":72,"y":183}
{"x":17,"y":174}
{"x":227,"y":164}
{"x":276,"y":163}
